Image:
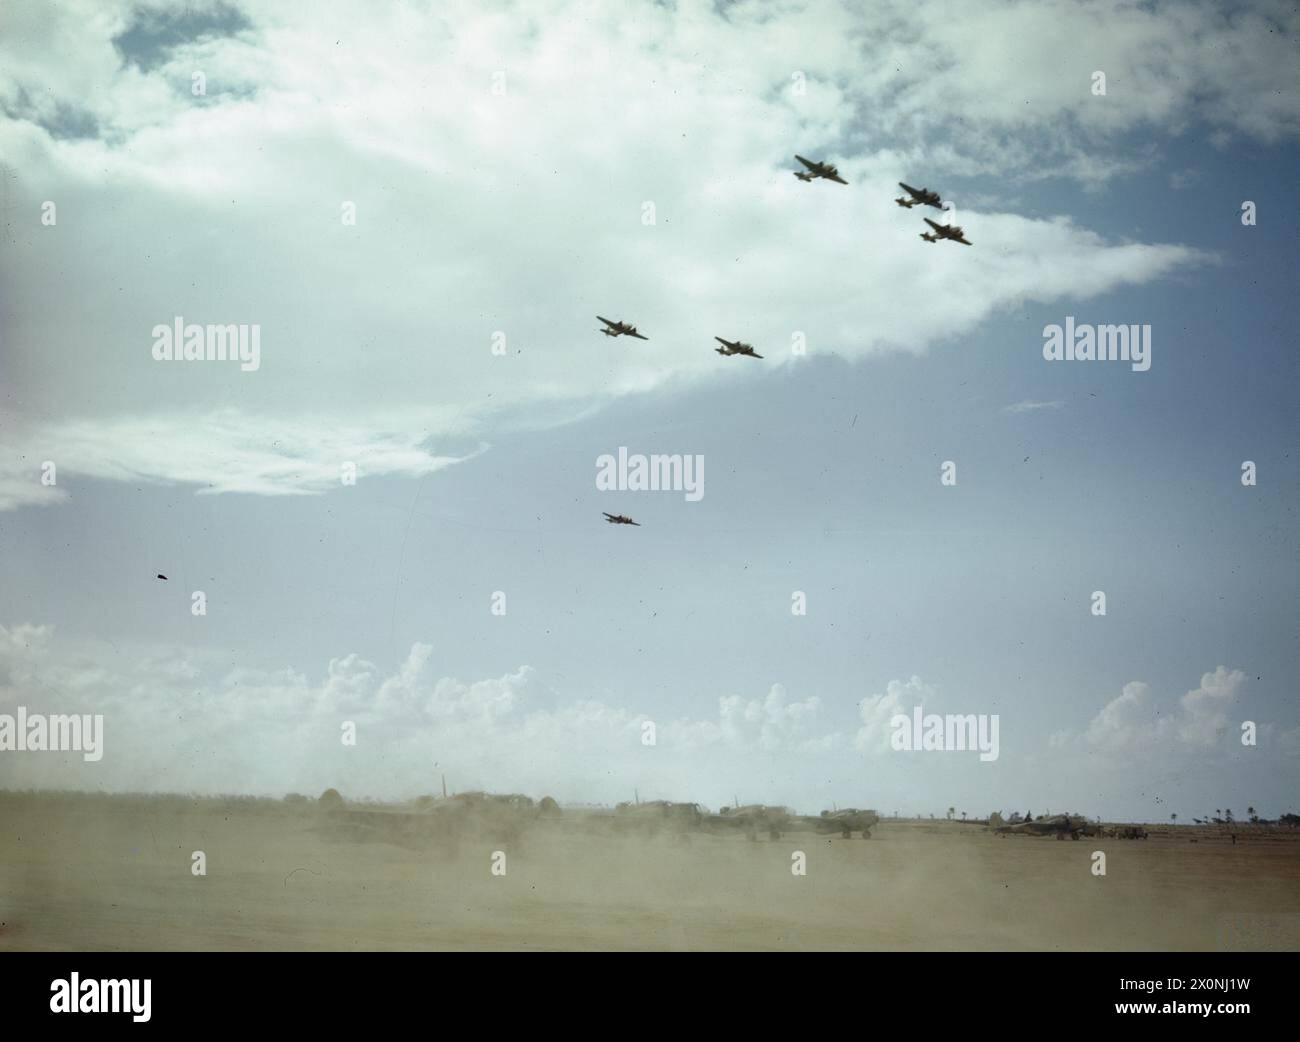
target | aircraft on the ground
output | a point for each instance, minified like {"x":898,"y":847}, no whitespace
{"x":432,"y":822}
{"x":620,"y":519}
{"x":816,"y":170}
{"x":620,"y":329}
{"x":737,"y":348}
{"x":654,"y":816}
{"x":845,"y":822}
{"x":945,"y":231}
{"x":1058,"y":825}
{"x":754,"y":818}
{"x":919,"y":195}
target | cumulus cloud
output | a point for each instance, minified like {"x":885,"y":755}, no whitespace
{"x":519,"y":210}
{"x":772,"y":723}
{"x":1136,"y":720}
{"x":1204,"y":718}
{"x":174,"y":721}
{"x":899,"y":697}
{"x":185,"y":721}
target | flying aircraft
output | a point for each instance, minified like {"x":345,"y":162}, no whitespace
{"x":906,"y":204}
{"x":738,"y":348}
{"x":620,"y":519}
{"x":620,"y":329}
{"x":816,"y":170}
{"x":945,"y":231}
{"x":161,"y":576}
{"x":919,"y":195}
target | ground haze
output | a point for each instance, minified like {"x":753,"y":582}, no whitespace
{"x":114,"y":873}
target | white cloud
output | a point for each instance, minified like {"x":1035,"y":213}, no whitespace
{"x":1204,"y":719}
{"x":185,"y":721}
{"x":1028,"y":66}
{"x":1136,"y":721}
{"x":1125,"y":720}
{"x":223,"y":451}
{"x":876,"y":711}
{"x":522,"y":212}
{"x":772,"y":723}
{"x":177,"y":722}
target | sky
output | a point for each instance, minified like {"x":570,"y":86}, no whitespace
{"x":515,"y":170}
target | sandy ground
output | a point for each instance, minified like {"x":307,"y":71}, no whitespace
{"x":110,"y":874}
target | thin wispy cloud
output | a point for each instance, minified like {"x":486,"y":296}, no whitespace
{"x":1028,"y":406}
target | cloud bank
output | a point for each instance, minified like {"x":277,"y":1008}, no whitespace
{"x":502,"y":162}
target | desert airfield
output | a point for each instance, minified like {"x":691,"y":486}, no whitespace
{"x":114,"y":873}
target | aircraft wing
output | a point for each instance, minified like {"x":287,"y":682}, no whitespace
{"x":725,"y":343}
{"x":756,"y":354}
{"x":639,"y":336}
{"x":608,"y":322}
{"x":962,"y":239}
{"x":932,"y":224}
{"x":835,"y":177}
{"x":807,"y":162}
{"x":915,"y":193}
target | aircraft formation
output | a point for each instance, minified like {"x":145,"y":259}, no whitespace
{"x":813,"y":170}
{"x":925,"y":197}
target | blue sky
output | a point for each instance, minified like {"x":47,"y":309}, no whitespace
{"x":371,"y":602}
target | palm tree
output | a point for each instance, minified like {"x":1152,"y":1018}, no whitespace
{"x":1173,"y":818}
{"x":951,"y":812}
{"x":963,"y":815}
